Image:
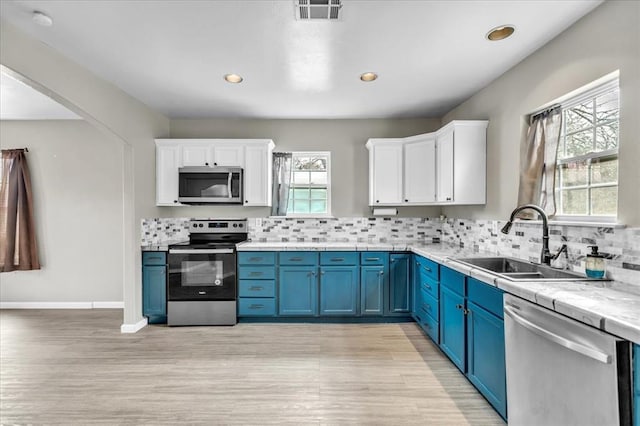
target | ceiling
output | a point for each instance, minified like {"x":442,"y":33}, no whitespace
{"x":21,"y":102}
{"x":172,"y":55}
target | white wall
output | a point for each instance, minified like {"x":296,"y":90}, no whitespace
{"x":345,"y":139}
{"x":605,"y":40}
{"x":76,"y":174}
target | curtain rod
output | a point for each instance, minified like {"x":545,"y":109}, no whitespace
{"x":545,"y":111}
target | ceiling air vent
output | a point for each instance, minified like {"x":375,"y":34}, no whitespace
{"x":318,"y":10}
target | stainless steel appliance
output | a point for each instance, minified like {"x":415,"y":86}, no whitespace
{"x":207,"y":185}
{"x":202,"y":274}
{"x":562,"y":372}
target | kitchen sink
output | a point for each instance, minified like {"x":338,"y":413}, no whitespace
{"x":521,"y":270}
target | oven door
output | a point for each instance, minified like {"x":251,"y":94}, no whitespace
{"x":202,"y":274}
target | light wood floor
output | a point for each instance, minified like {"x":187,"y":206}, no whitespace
{"x":75,"y":367}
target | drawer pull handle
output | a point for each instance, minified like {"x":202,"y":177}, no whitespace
{"x":372,"y":259}
{"x":427,"y":325}
{"x":295,"y":259}
{"x":255,"y":274}
{"x":427,"y":286}
{"x":427,"y":307}
{"x":426,"y":268}
{"x":256,"y":306}
{"x":337,"y":259}
{"x":256,"y":288}
{"x":255,"y":259}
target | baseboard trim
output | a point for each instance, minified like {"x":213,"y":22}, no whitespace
{"x":61,"y":305}
{"x":133,"y":328}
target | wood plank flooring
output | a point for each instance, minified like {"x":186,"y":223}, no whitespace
{"x":75,"y":367}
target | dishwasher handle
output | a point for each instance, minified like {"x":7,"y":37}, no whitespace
{"x":562,"y":341}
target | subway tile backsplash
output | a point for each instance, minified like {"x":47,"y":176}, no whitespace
{"x":524,"y":242}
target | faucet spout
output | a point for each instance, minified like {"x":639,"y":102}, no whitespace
{"x":545,"y":255}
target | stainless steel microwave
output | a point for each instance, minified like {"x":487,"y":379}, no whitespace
{"x":210,"y":185}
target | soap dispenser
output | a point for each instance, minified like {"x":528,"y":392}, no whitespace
{"x":594,"y":266}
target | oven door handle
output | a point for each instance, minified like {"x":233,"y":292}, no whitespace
{"x":200,"y":251}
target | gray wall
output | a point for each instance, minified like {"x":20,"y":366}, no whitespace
{"x":604,"y":41}
{"x":76,"y":174}
{"x":344,"y":138}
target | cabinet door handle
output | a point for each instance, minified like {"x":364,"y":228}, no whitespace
{"x":337,"y":259}
{"x":256,"y":306}
{"x":406,"y":201}
{"x":372,"y":259}
{"x":458,"y":306}
{"x":448,"y":198}
{"x":381,"y":272}
{"x":256,"y":288}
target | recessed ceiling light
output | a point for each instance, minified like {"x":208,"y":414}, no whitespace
{"x":41,"y":18}
{"x":233,"y":78}
{"x":500,"y":33}
{"x":368,"y":76}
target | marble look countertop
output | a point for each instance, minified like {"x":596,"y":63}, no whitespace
{"x":611,"y":306}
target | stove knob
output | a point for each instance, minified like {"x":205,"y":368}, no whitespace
{"x":235,"y":225}
{"x":195,"y":225}
{"x":241,"y":225}
{"x":200,"y":225}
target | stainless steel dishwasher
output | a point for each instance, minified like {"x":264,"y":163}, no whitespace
{"x":562,"y":372}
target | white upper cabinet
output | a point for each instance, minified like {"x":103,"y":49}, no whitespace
{"x":385,"y":171}
{"x":257,"y":174}
{"x":419,"y":169}
{"x":441,"y":168}
{"x":253,"y":155}
{"x":462,"y":162}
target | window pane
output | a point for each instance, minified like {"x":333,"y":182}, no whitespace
{"x":301,"y":193}
{"x":318,"y":206}
{"x":574,"y":174}
{"x":300,"y":177}
{"x":607,"y":107}
{"x":604,"y":201}
{"x":319,"y":193}
{"x":301,"y":206}
{"x":579,"y":143}
{"x":319,"y":178}
{"x":299,"y":163}
{"x":579,"y":117}
{"x":607,"y":136}
{"x":605,"y":171}
{"x":310,"y":163}
{"x":574,"y":201}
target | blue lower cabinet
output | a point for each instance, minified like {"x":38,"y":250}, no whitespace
{"x":452,"y":326}
{"x":256,"y":307}
{"x":399,"y":300}
{"x":154,"y":293}
{"x":486,"y":367}
{"x":339,"y":290}
{"x":372,"y":285}
{"x":298,"y":291}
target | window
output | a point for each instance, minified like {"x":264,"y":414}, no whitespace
{"x":310,"y":193}
{"x":587,"y":166}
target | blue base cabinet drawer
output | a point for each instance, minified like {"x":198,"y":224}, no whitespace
{"x":374,"y":258}
{"x":154,"y":258}
{"x":256,"y":258}
{"x":428,"y":286}
{"x":256,"y":272}
{"x":490,"y":298}
{"x":256,"y":307}
{"x":430,"y":326}
{"x":296,"y":258}
{"x":256,"y":288}
{"x":336,"y":258}
{"x":429,"y":306}
{"x":453,"y":280}
{"x":428,"y":267}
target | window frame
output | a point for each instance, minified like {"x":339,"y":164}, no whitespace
{"x":326,"y":154}
{"x":570,"y":102}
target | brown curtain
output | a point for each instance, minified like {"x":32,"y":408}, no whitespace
{"x":18,"y":250}
{"x":538,"y":162}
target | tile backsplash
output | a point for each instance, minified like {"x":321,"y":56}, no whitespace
{"x":524,"y":241}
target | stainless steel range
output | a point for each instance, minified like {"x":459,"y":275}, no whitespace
{"x":202,"y":274}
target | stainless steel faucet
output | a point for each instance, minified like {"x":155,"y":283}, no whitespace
{"x":545,"y":257}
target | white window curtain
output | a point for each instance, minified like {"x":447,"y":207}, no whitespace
{"x":281,"y":183}
{"x":538,"y":156}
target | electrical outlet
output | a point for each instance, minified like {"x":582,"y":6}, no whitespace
{"x":258,"y":221}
